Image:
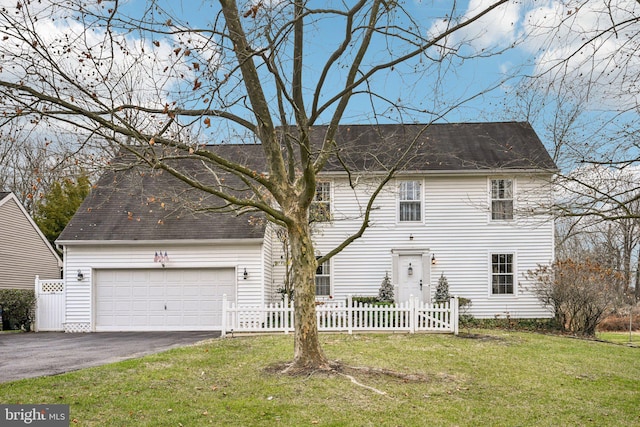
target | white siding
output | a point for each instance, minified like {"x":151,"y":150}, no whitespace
{"x":87,"y":258}
{"x":456,"y":229}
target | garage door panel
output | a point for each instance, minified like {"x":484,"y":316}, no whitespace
{"x":161,"y":299}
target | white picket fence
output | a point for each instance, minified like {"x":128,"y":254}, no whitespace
{"x":411,"y":316}
{"x":50,"y":305}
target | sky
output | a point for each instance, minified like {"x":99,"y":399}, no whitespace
{"x":518,"y":39}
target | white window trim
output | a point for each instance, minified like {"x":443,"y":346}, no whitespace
{"x":330,"y":275}
{"x":514,"y":273}
{"x":421,"y":200}
{"x":331,"y":198}
{"x":514,"y":191}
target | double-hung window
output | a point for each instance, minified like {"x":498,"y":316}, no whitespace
{"x":323,"y":280}
{"x":410,"y":205}
{"x":321,"y":206}
{"x":502,"y":275}
{"x":501,"y":199}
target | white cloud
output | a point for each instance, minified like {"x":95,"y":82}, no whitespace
{"x":495,"y":30}
{"x":113,"y":67}
{"x":575,"y":48}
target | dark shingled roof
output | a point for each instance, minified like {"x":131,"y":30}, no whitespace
{"x":139,"y":204}
{"x":441,"y":147}
{"x":142,"y":204}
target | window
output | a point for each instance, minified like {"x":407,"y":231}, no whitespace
{"x":323,"y":280}
{"x":410,"y":206}
{"x":502,"y":274}
{"x":321,"y":206}
{"x":501,"y":199}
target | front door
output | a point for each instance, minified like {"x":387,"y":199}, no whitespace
{"x":409,"y":277}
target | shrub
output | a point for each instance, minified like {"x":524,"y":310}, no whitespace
{"x":537,"y":325}
{"x":442,"y":290}
{"x":386,"y":289}
{"x":617,"y":322}
{"x":581,"y":294}
{"x":366,"y":300}
{"x":18,"y":307}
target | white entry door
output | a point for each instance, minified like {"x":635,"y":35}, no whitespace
{"x":409,"y":277}
{"x":161,"y":299}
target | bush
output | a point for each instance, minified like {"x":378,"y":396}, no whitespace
{"x":369,"y":300}
{"x":18,"y":307}
{"x":386,"y":290}
{"x":581,"y":294}
{"x":442,"y":290}
{"x":536,"y":325}
{"x":619,"y":322}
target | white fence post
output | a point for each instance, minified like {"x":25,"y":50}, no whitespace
{"x":224,"y":315}
{"x":350,"y":314}
{"x":286,"y":313}
{"x":36,"y":289}
{"x":413,"y":315}
{"x":455,"y":314}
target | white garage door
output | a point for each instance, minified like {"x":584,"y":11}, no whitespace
{"x":161,"y":300}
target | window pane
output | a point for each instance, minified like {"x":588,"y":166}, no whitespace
{"x":501,"y":199}
{"x":321,"y":206}
{"x":323,"y":279}
{"x":409,"y":211}
{"x":502,"y":278}
{"x":410,"y":205}
{"x":323,"y":286}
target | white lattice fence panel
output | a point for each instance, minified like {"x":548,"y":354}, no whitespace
{"x":50,"y":305}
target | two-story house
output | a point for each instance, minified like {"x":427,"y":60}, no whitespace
{"x":470,"y":201}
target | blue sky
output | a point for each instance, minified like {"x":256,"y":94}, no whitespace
{"x":528,"y":37}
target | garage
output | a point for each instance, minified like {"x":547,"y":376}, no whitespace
{"x":161,"y":299}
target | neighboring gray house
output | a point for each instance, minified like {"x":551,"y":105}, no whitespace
{"x":24,"y":250}
{"x":468,"y":204}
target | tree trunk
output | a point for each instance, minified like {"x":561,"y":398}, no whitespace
{"x":307,"y":352}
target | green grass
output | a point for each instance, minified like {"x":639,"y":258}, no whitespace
{"x":492,"y":378}
{"x":620,"y":337}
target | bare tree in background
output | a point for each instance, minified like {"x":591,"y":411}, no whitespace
{"x":160,"y":87}
{"x":583,"y":95}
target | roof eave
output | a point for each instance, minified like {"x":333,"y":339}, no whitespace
{"x":247,"y":241}
{"x":493,"y":171}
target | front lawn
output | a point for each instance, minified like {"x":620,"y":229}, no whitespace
{"x":620,"y":337}
{"x":487,"y":378}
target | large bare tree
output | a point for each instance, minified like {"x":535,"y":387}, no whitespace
{"x":161,"y":84}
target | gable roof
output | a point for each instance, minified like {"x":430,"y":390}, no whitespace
{"x":441,"y":147}
{"x":149,"y":205}
{"x":8,"y":198}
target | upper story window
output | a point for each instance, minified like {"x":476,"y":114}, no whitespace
{"x":502,"y":279}
{"x":321,"y":206}
{"x":410,"y":205}
{"x":323,"y":280}
{"x":501,"y":199}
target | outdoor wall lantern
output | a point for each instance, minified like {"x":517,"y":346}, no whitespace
{"x":433,"y":259}
{"x":80,"y":276}
{"x":245,"y":274}
{"x":410,"y":270}
{"x":162,"y":259}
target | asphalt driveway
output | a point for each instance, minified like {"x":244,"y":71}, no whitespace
{"x":27,"y":355}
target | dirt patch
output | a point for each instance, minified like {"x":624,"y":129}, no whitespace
{"x":337,"y":368}
{"x":482,"y":337}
